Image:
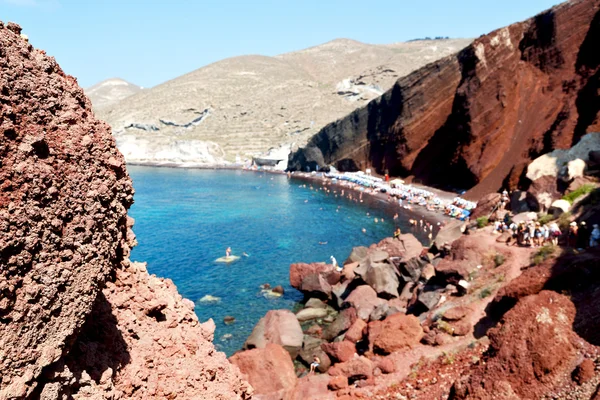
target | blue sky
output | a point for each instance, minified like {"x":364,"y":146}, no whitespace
{"x":149,"y":41}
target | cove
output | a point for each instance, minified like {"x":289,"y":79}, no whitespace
{"x":186,"y":218}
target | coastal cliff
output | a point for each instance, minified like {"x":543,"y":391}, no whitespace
{"x":77,"y":319}
{"x":476,"y":119}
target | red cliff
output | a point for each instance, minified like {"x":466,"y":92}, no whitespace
{"x":476,"y":119}
{"x":77,"y":319}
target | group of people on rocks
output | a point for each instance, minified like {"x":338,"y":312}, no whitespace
{"x":536,"y":234}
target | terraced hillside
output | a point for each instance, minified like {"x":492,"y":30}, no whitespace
{"x":246,"y":105}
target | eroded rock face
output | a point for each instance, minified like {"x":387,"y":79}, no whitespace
{"x":77,"y":319}
{"x":63,"y":210}
{"x":543,"y":322}
{"x":472,"y":112}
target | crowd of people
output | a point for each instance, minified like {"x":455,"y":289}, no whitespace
{"x":406,"y":195}
{"x":536,"y":234}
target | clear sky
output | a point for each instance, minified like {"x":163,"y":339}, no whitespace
{"x":150,"y":41}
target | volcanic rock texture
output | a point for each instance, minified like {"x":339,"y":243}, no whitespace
{"x":477,"y":118}
{"x":64,"y":236}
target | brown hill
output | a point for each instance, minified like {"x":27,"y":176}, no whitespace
{"x":246,"y":105}
{"x":475,"y":119}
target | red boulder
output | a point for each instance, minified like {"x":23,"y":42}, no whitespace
{"x":396,"y":332}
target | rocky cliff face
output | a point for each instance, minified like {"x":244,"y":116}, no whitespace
{"x":64,"y":236}
{"x":477,"y":118}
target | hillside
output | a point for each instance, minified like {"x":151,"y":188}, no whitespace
{"x":210,"y":114}
{"x":110,"y":92}
{"x":482,"y":114}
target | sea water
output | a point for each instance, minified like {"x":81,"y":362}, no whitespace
{"x":186,"y":218}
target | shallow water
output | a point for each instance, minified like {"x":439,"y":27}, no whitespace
{"x":186,"y":218}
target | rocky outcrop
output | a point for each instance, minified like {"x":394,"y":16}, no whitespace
{"x":77,"y":319}
{"x":63,"y":211}
{"x":280,"y":327}
{"x":472,"y":112}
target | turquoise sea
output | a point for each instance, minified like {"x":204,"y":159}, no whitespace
{"x":186,"y":218}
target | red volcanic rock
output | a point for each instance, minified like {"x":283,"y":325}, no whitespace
{"x":533,"y":346}
{"x":299,"y":271}
{"x":337,"y":382}
{"x":466,"y":254}
{"x":344,"y":320}
{"x":467,"y":120}
{"x":128,"y":348}
{"x":63,"y":211}
{"x":364,"y":299}
{"x":544,"y":190}
{"x":456,"y":313}
{"x":358,"y":367}
{"x":79,"y":320}
{"x":356,"y":331}
{"x":584,"y":371}
{"x":269,"y":370}
{"x":280,"y":327}
{"x":340,"y":351}
{"x":385,"y":365}
{"x":405,"y":246}
{"x":315,"y":284}
{"x":396,"y":332}
{"x":312,"y":386}
{"x":486,"y":205}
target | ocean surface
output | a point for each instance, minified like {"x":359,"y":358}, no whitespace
{"x":186,"y":218}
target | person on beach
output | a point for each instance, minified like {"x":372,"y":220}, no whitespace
{"x":228,"y":252}
{"x":316,"y":362}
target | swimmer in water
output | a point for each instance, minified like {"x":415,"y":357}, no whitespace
{"x":245,"y":254}
{"x":364,"y":230}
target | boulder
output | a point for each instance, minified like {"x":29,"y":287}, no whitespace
{"x":308,"y":314}
{"x":429,"y":299}
{"x":396,"y":332}
{"x":315,"y":285}
{"x":573,"y":169}
{"x":559,"y":207}
{"x":381,"y":276}
{"x":523,"y":351}
{"x":584,"y":372}
{"x":267,"y":369}
{"x":544,"y":190}
{"x":411,"y":269}
{"x":456,"y":313}
{"x":312,"y":386}
{"x":364,"y":299}
{"x":411,"y":245}
{"x":314,"y":330}
{"x":311,"y":347}
{"x":450,"y":232}
{"x":280,"y":327}
{"x":357,"y":331}
{"x":299,"y":271}
{"x":341,"y":324}
{"x":524,"y":217}
{"x":315,"y":303}
{"x":486,"y":205}
{"x":354,"y":369}
{"x":519,"y":202}
{"x":348,"y":271}
{"x":278,"y":289}
{"x":337,"y":382}
{"x":339,"y":351}
{"x":356,"y":255}
{"x":379,"y":312}
{"x":427,"y":272}
{"x":385,"y":365}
